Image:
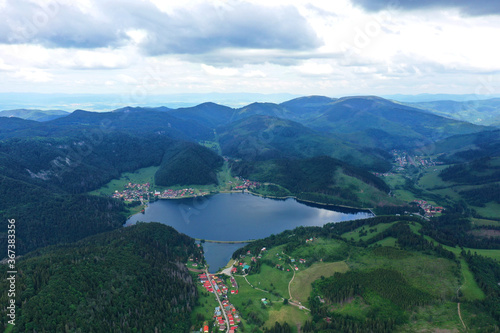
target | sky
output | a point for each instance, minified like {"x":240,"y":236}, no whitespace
{"x":332,"y":48}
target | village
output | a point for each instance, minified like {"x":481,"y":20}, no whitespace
{"x":145,"y":193}
{"x":429,"y":209}
{"x":226,"y":317}
{"x":402,"y":159}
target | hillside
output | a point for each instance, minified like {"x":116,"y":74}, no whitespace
{"x":481,"y":112}
{"x":320,"y":179}
{"x":208,"y":114}
{"x":266,"y":137}
{"x":34,"y":114}
{"x":186,"y":163}
{"x":99,"y":123}
{"x":307,"y":107}
{"x":44,"y":179}
{"x":46,"y":217}
{"x":129,"y":280}
{"x":376,"y":122}
{"x":370,"y":275}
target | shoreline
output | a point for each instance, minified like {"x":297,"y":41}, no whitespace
{"x":270,"y":197}
{"x":225,"y":242}
{"x":313,"y":202}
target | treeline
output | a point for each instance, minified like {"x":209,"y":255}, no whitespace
{"x":476,"y":172}
{"x":388,"y":284}
{"x":487,"y":275}
{"x":408,"y":240}
{"x":298,"y":235}
{"x":453,"y":229}
{"x":129,"y":280}
{"x":480,"y":196}
{"x":386,"y":292}
{"x":186,"y":163}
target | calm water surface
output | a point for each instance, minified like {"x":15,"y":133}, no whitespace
{"x":237,"y":216}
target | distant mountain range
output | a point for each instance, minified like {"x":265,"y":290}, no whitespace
{"x":33,"y":114}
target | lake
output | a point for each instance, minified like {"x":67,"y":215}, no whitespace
{"x":238,"y":217}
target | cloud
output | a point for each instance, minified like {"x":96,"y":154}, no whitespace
{"x":468,"y":7}
{"x":33,"y":75}
{"x":199,"y":29}
{"x":219,"y":71}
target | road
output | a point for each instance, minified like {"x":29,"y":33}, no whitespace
{"x":218,"y":300}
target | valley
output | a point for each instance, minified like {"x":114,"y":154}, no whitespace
{"x":349,"y":214}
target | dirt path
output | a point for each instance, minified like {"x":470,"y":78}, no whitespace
{"x":290,"y":284}
{"x":458,"y":304}
{"x":460,"y":315}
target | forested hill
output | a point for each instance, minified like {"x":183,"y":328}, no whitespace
{"x":44,"y":178}
{"x":321,"y":179}
{"x":188,"y":163}
{"x":261,"y":137}
{"x":33,"y":114}
{"x":129,"y":280}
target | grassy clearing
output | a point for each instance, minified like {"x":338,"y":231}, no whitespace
{"x":417,"y":268}
{"x":326,"y":249}
{"x":388,"y":241}
{"x":301,"y":286}
{"x":272,"y":279}
{"x":287,"y":313}
{"x":470,"y":289}
{"x":140,"y":176}
{"x":436,"y":318}
{"x":248,"y":301}
{"x":490,"y":209}
{"x":485,"y":223}
{"x":494,"y":254}
{"x":430,"y":179}
{"x":371,"y":232}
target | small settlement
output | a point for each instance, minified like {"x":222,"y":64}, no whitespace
{"x":214,"y":284}
{"x":145,"y":193}
{"x":429,"y":209}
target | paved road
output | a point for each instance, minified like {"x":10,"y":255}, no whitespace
{"x":218,"y":300}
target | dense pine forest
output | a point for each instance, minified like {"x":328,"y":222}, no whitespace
{"x":128,"y":280}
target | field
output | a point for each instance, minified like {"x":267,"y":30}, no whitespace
{"x":370,"y":232}
{"x":248,"y":302}
{"x":272,"y":279}
{"x":301,"y":286}
{"x":484,"y":222}
{"x":469,"y":289}
{"x":436,"y":318}
{"x":287,"y":313}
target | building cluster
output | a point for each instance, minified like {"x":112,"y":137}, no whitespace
{"x":429,"y":209}
{"x":171,"y":194}
{"x":143,"y":192}
{"x":247,"y":184}
{"x":214,"y":284}
{"x":134,"y":192}
{"x":402,"y":159}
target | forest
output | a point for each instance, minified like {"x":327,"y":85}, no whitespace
{"x":128,"y":280}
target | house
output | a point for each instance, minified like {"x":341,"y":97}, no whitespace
{"x":205,"y":329}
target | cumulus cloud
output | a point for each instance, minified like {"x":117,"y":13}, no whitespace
{"x":199,"y":29}
{"x":468,"y":7}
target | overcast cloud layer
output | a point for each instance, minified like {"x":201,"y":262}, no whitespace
{"x":301,"y":47}
{"x":469,"y":7}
